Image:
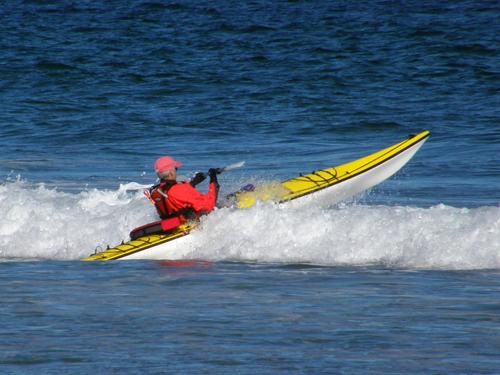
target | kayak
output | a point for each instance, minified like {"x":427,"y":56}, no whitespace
{"x":322,"y":187}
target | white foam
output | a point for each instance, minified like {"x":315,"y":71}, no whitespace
{"x":439,"y":237}
{"x":41,"y":223}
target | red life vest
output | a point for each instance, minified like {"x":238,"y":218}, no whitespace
{"x":173,"y":199}
{"x":158,"y":194}
{"x":175,"y":209}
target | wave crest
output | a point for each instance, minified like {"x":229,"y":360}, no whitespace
{"x":44,"y":223}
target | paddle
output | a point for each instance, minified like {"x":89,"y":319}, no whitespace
{"x":227,"y":168}
{"x":201,"y":176}
{"x":230,"y":167}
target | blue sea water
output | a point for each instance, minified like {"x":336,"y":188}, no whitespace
{"x":403,"y":279}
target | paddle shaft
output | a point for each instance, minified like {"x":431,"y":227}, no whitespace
{"x":228,"y":168}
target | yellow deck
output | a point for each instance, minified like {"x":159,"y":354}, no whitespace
{"x":310,"y":183}
{"x":140,"y":244}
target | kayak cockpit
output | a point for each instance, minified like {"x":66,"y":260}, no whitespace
{"x":157,"y":227}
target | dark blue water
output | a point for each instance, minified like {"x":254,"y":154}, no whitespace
{"x":405,"y":277}
{"x":72,"y":318}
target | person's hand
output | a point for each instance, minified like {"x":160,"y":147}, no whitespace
{"x":198,"y":178}
{"x":213,"y":172}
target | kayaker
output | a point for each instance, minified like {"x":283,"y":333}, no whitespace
{"x":180,"y":199}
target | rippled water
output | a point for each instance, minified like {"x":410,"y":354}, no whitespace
{"x":267,"y":319}
{"x":404,"y":278}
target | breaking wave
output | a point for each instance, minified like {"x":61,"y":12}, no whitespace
{"x":43,"y":223}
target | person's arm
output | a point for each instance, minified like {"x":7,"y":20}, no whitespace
{"x":213,"y":172}
{"x":198,"y":178}
{"x":189,"y":197}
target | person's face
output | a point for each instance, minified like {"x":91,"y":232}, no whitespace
{"x":172,"y":174}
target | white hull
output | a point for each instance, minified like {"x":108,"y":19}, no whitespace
{"x":175,"y":249}
{"x":358,"y":184}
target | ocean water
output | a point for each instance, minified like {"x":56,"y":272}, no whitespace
{"x":401,"y":279}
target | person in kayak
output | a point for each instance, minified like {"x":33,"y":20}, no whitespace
{"x":181,"y":200}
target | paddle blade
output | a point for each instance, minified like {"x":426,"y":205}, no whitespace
{"x":230,"y":167}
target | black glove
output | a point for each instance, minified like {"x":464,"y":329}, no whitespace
{"x":198,"y":178}
{"x":213,"y":172}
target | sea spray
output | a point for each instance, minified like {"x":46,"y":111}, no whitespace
{"x":43,"y":223}
{"x":439,"y":237}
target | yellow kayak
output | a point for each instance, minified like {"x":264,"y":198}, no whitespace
{"x":322,"y":187}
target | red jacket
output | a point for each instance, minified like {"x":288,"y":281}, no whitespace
{"x":177,"y":199}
